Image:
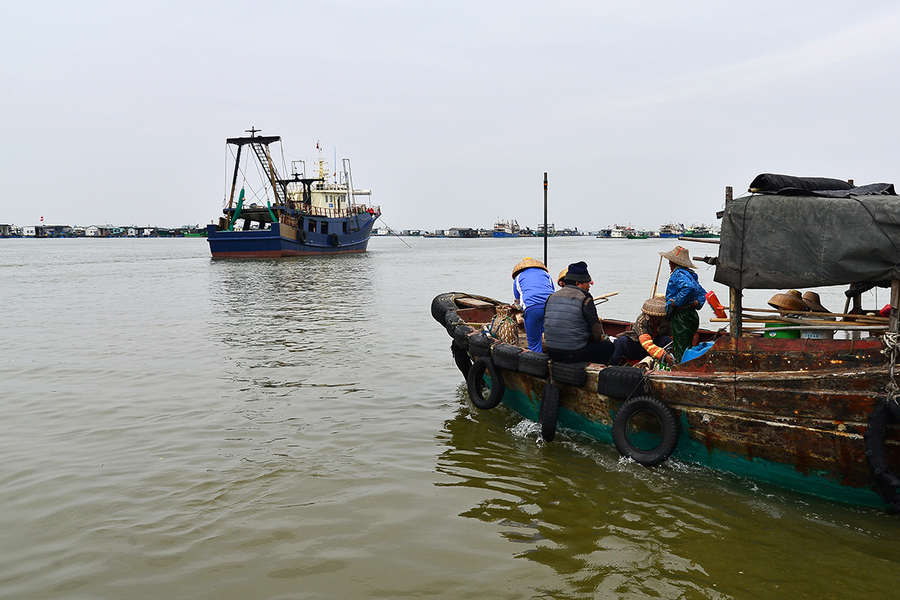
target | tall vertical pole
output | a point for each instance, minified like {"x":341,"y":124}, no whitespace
{"x":545,"y":220}
{"x":735,"y":296}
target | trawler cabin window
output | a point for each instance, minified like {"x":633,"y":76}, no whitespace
{"x":312,"y":225}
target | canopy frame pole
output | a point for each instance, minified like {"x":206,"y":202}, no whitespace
{"x":895,"y":306}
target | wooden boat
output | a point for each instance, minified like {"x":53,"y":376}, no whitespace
{"x":305,"y":215}
{"x":812,"y":415}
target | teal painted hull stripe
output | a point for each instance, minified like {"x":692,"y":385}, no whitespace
{"x":693,"y":452}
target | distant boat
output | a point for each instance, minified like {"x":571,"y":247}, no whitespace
{"x":505,"y":229}
{"x":621,"y":233}
{"x":550,"y":230}
{"x":700,"y":231}
{"x":604,"y":233}
{"x":638,"y":235}
{"x":305,"y":216}
{"x":671,"y":230}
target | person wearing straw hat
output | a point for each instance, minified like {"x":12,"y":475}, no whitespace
{"x":684,"y":297}
{"x":531,"y":287}
{"x":573,"y":331}
{"x":648,"y":335}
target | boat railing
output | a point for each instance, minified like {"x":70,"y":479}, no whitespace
{"x":333,"y":213}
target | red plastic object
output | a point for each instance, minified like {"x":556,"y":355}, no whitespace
{"x":715,"y":304}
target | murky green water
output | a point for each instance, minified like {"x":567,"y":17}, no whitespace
{"x":174,"y":427}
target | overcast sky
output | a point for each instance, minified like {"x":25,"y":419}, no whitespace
{"x":640,"y":112}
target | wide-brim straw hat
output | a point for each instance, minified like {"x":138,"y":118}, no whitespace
{"x":790,"y":300}
{"x":561,"y":280}
{"x":680,"y":256}
{"x":655,"y":307}
{"x":811,"y":299}
{"x":527,"y":263}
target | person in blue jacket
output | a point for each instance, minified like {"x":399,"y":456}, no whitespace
{"x":684,"y":297}
{"x":532,"y":286}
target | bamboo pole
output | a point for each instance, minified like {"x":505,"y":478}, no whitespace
{"x":860,"y":317}
{"x":656,"y":283}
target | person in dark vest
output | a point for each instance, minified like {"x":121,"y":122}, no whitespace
{"x":573,"y":331}
{"x":648,"y":336}
{"x":684,"y":297}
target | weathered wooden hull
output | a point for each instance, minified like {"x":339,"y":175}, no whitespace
{"x":791,"y":412}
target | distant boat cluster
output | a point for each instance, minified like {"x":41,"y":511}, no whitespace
{"x":98,"y":231}
{"x":507,"y":229}
{"x":669,"y":230}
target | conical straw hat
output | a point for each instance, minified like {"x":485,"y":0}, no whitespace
{"x":527,"y":263}
{"x":790,"y":300}
{"x":680,"y":256}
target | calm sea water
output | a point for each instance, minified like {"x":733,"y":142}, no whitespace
{"x":177,"y":427}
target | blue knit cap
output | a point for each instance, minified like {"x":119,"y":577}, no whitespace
{"x":578,"y":272}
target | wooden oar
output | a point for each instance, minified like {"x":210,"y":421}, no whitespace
{"x":604,"y":297}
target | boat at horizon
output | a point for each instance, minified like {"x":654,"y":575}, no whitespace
{"x":506,"y":229}
{"x":671,"y":230}
{"x":296,"y":216}
{"x":621,"y":233}
{"x":813,"y":408}
{"x":700,"y":231}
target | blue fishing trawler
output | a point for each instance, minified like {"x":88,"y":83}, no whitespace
{"x":505,"y":229}
{"x":296,"y":216}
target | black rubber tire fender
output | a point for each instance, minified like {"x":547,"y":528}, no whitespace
{"x":621,"y":382}
{"x":462,"y":359}
{"x":301,"y":236}
{"x":480,"y":344}
{"x":451,"y":319}
{"x":549,"y":411}
{"x":533,"y":363}
{"x":475,"y":383}
{"x":441,"y":304}
{"x":569,"y":373}
{"x":334,"y":240}
{"x":460,"y":335}
{"x":506,"y":356}
{"x":668,"y":422}
{"x":886,"y":483}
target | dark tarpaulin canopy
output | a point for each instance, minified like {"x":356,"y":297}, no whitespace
{"x":776,"y":241}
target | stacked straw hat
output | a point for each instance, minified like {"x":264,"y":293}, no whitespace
{"x":656,"y":306}
{"x":527,"y":263}
{"x":790,"y":300}
{"x":811,"y":299}
{"x":680,"y":256}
